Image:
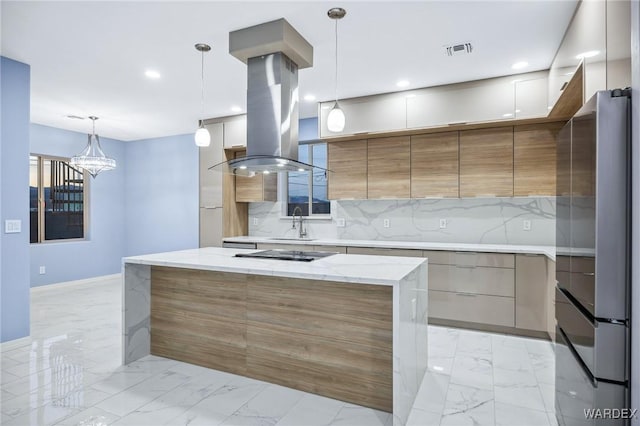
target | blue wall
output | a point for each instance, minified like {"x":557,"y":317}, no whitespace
{"x":308,"y":129}
{"x":161,"y":204}
{"x":101,"y":252}
{"x":14,"y":170}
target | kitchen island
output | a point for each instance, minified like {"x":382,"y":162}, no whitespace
{"x":350,"y":327}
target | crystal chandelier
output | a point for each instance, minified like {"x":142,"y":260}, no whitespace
{"x":92,"y":158}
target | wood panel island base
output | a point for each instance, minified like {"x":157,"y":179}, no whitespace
{"x":348,"y":327}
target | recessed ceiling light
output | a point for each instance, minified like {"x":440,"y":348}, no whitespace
{"x":520,"y":65}
{"x":236,"y":108}
{"x":301,"y":170}
{"x":152,"y":74}
{"x":309,"y":98}
{"x":517,"y":111}
{"x":403,"y":83}
{"x":507,"y":115}
{"x":243,"y":167}
{"x":75,"y":117}
{"x":266,"y":172}
{"x":411,"y":95}
{"x":326,"y":107}
{"x":588,"y":54}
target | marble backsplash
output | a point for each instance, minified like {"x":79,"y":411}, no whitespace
{"x":468,"y":220}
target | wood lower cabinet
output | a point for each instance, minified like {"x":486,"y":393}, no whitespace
{"x":375,"y":251}
{"x":347,"y":162}
{"x":329,"y":338}
{"x":486,"y":162}
{"x":472,"y":280}
{"x":534,"y":157}
{"x":389,"y":167}
{"x":434,"y":165}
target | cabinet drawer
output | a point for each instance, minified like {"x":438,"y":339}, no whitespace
{"x":275,"y":246}
{"x":440,"y":257}
{"x":476,"y":280}
{"x":338,"y":249}
{"x":384,"y":251}
{"x":494,"y":310}
{"x":470,"y":258}
{"x":496,"y":260}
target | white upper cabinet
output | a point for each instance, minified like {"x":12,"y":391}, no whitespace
{"x":370,"y":114}
{"x":235,"y":133}
{"x":502,"y":98}
{"x":210,"y":181}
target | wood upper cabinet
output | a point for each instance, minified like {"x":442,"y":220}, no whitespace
{"x":434,"y":165}
{"x":486,"y":162}
{"x":534,"y":156}
{"x":348,"y":164}
{"x":389,"y":167}
{"x":260,"y":187}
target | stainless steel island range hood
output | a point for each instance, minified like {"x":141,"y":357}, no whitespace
{"x":273,"y":52}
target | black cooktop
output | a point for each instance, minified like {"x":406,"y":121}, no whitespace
{"x":297,"y":255}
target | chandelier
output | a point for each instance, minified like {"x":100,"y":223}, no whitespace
{"x":92,"y":158}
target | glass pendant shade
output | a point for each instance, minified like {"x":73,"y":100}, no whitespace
{"x":92,"y":158}
{"x":336,"y":119}
{"x":202,"y":137}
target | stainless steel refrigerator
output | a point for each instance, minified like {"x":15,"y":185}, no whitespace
{"x":592,"y":263}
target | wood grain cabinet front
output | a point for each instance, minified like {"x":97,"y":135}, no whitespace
{"x":534,"y":156}
{"x":347,"y":162}
{"x":389,"y":167}
{"x":258,"y":188}
{"x":486,"y":162}
{"x":531,"y":292}
{"x":434,"y":165}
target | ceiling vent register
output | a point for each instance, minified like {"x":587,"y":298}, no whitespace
{"x":458,"y":49}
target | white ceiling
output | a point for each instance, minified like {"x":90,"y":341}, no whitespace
{"x":89,"y":57}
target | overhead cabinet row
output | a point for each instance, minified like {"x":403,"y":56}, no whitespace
{"x":493,"y":162}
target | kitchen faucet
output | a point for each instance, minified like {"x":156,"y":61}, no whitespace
{"x":301,"y":232}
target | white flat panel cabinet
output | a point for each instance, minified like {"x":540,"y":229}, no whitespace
{"x":531,"y":98}
{"x":363,"y":115}
{"x":210,"y":181}
{"x":211,"y":227}
{"x":235,"y":133}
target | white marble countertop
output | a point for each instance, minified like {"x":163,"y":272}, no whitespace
{"x":548,"y":251}
{"x":381,"y":270}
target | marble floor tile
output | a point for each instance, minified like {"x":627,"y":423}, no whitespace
{"x":474,"y":342}
{"x":512,"y":358}
{"x":312,"y":410}
{"x":93,"y":416}
{"x":360,"y":416}
{"x":543,"y":367}
{"x":509,"y":415}
{"x":553,"y":421}
{"x":467,"y":405}
{"x":548,"y":396}
{"x":473,"y":370}
{"x":521,"y":395}
{"x":419,"y":417}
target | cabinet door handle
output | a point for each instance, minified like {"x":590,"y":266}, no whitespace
{"x":466,"y":266}
{"x":466,"y":294}
{"x":589,"y":274}
{"x":466,"y":252}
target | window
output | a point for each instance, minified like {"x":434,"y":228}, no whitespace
{"x":309,"y":190}
{"x":57,"y":199}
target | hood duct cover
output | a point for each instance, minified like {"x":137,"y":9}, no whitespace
{"x":272,"y":97}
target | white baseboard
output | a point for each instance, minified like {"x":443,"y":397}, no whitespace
{"x":75,"y":283}
{"x":16,"y":343}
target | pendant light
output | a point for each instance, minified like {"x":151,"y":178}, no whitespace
{"x":92,"y":158}
{"x":202,"y":136}
{"x":336,"y":119}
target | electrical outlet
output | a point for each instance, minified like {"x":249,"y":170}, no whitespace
{"x":43,"y":270}
{"x":255,"y":221}
{"x":340,"y":222}
{"x":12,"y":226}
{"x":385,"y":223}
{"x":443,"y":223}
{"x":526,"y":225}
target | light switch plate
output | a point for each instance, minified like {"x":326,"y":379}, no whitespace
{"x":443,"y":223}
{"x":12,"y":226}
{"x":255,"y":221}
{"x":340,"y":222}
{"x":526,"y":225}
{"x":385,"y":223}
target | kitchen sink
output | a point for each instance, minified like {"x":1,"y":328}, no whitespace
{"x":291,"y":239}
{"x":296,"y":255}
